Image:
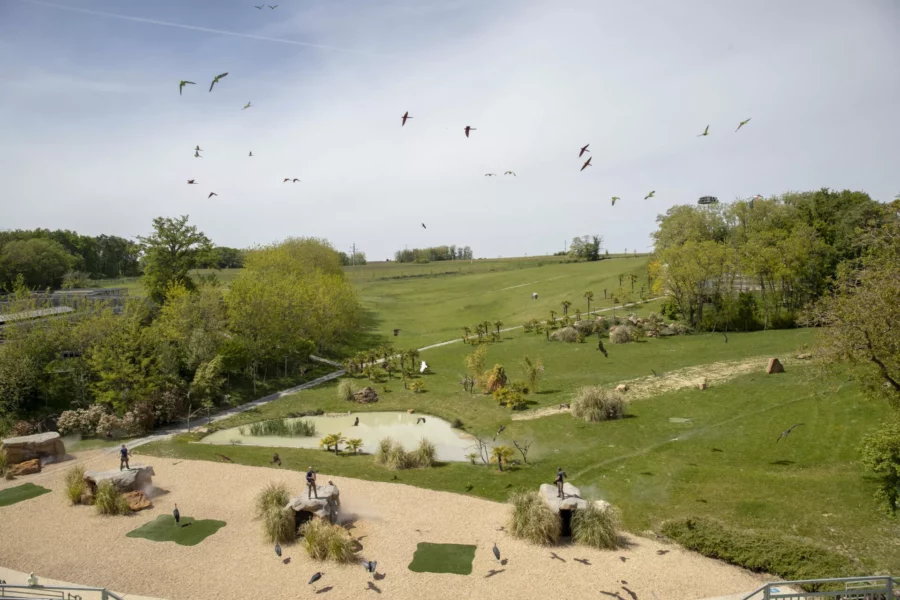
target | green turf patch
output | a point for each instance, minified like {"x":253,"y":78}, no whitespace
{"x":443,"y":558}
{"x":189,"y":532}
{"x":26,"y":491}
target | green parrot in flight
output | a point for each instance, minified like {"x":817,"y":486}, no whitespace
{"x":183,"y":83}
{"x":742,"y":124}
{"x":614,"y":198}
{"x":650,"y":195}
{"x":216,"y":80}
{"x":705,"y":132}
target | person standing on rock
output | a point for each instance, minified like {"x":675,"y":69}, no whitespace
{"x":123,"y":457}
{"x":311,"y":483}
{"x":560,"y":476}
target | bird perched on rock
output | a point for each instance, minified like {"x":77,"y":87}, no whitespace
{"x":405,"y":117}
{"x":587,"y":163}
{"x":785,"y":433}
{"x":468,"y":129}
{"x":216,"y":80}
{"x":177,"y":514}
{"x":183,"y":83}
{"x":583,"y":150}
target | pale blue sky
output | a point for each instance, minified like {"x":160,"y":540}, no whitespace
{"x":94,"y":136}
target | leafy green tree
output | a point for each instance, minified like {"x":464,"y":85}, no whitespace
{"x":881,"y":455}
{"x":354,"y":444}
{"x":501,"y":454}
{"x":332,"y":440}
{"x":41,"y":262}
{"x":170,"y":252}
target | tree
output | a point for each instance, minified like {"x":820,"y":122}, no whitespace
{"x":588,"y":296}
{"x":499,"y":454}
{"x":534,"y":370}
{"x":332,"y":440}
{"x":565,"y":306}
{"x":170,"y":253}
{"x":881,"y":455}
{"x":523,"y":449}
{"x":586,"y":247}
{"x":498,"y":324}
{"x":41,"y":262}
{"x":354,"y":444}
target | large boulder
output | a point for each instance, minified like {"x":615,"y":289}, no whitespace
{"x":29,"y":467}
{"x":136,"y":479}
{"x":46,"y":446}
{"x":366,"y":395}
{"x":571,"y":501}
{"x":774,"y":366}
{"x":137,"y":501}
{"x":326,"y":506}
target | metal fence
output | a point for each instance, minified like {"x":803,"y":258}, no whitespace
{"x":47,"y":592}
{"x":881,"y":587}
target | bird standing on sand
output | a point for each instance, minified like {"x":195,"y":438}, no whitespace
{"x":785,"y":433}
{"x":405,"y":117}
{"x":316,"y":576}
{"x":177,"y":515}
{"x":496,"y":551}
{"x":278,"y":549}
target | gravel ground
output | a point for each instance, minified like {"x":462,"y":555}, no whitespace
{"x":53,"y":539}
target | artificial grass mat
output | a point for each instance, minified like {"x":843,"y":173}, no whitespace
{"x":189,"y":532}
{"x":443,"y":558}
{"x":26,"y":491}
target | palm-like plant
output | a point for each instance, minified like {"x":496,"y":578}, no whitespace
{"x":577,"y":314}
{"x":332,"y":440}
{"x":499,"y":454}
{"x":589,"y":296}
{"x":467,"y":331}
{"x":353,"y":445}
{"x":498,"y":324}
{"x":552,"y":315}
{"x":566,"y":304}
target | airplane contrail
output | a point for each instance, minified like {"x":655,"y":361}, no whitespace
{"x":249,"y":36}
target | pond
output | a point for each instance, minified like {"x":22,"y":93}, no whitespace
{"x":451,"y":444}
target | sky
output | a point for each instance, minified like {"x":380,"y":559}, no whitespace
{"x":95,"y":137}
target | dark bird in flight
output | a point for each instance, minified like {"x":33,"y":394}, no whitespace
{"x":587,"y":163}
{"x":183,"y":83}
{"x":600,"y":346}
{"x":616,"y":595}
{"x":726,"y":337}
{"x":583,"y":150}
{"x":192,"y":182}
{"x":197,"y":154}
{"x":785,"y":433}
{"x":260,"y":7}
{"x":583,"y":561}
{"x":499,"y":431}
{"x":469,"y":488}
{"x":272,"y":7}
{"x":510,"y":173}
{"x":216,"y":80}
{"x":650,"y":195}
{"x":370,"y":566}
{"x":496,"y":551}
{"x":177,"y":515}
{"x":420,"y":420}
{"x":251,"y":153}
{"x":623,"y":558}
{"x":286,"y":179}
{"x":405,"y":117}
{"x":741,"y":125}
{"x":316,"y":576}
{"x":278,"y":549}
{"x":468,"y":129}
{"x":423,"y":226}
{"x":490,"y":174}
{"x":705,"y":132}
{"x":295,"y":181}
{"x":614,"y":198}
{"x":211,"y":194}
{"x":197,"y":148}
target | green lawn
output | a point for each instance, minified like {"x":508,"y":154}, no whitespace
{"x":135,"y":288}
{"x":443,"y":558}
{"x":188,"y":532}
{"x":725,"y":464}
{"x":20,"y":493}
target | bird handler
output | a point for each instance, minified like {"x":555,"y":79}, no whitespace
{"x":311,"y":483}
{"x":560,"y":476}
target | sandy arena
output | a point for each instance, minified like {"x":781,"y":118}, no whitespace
{"x":55,"y":540}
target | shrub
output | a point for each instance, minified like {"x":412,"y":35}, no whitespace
{"x":345,"y":390}
{"x":424,"y":455}
{"x":278,"y":525}
{"x":787,"y":557}
{"x":585,"y":327}
{"x":274,"y":494}
{"x":457,"y":424}
{"x":596,"y":527}
{"x":637,"y":333}
{"x":534,"y":370}
{"x":594,"y":403}
{"x":619,"y":334}
{"x":109,"y":501}
{"x":80,"y":420}
{"x":4,"y":462}
{"x":384,"y":450}
{"x":22,"y":428}
{"x":495,"y":379}
{"x":566,"y":334}
{"x":280,"y":427}
{"x":881,"y":455}
{"x":324,"y":541}
{"x":510,"y":398}
{"x":417,"y":387}
{"x":75,"y":485}
{"x":391,"y":454}
{"x":532,"y":520}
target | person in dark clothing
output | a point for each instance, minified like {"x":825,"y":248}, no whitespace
{"x":123,"y":457}
{"x":560,"y":475}
{"x":311,"y":483}
{"x":276,"y":460}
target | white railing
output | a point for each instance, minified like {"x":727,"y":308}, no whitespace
{"x":880,"y":587}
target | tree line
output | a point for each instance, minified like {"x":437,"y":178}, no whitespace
{"x":189,"y":344}
{"x":433,"y":254}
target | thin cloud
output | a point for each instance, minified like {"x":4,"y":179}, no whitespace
{"x":249,"y":36}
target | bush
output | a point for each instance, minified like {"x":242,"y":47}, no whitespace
{"x":510,"y":398}
{"x":457,"y":424}
{"x":594,"y":403}
{"x":81,"y":420}
{"x":619,"y":334}
{"x":424,"y":455}
{"x":280,"y":427}
{"x":585,"y":327}
{"x":22,"y":428}
{"x":324,"y":541}
{"x":75,"y":485}
{"x":637,"y":333}
{"x":109,"y":501}
{"x":881,"y":455}
{"x":391,"y":454}
{"x":787,"y":557}
{"x":4,"y":462}
{"x":495,"y":379}
{"x":278,"y":525}
{"x":532,"y":520}
{"x":345,"y":390}
{"x":566,"y":334}
{"x":595,"y":527}
{"x":274,"y":494}
{"x":417,"y":387}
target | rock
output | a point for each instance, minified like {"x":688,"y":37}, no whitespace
{"x":48,"y":446}
{"x":774,"y":366}
{"x":366,"y":395}
{"x":326,"y":506}
{"x":137,"y":501}
{"x":572,"y":500}
{"x":135,"y":479}
{"x":621,"y":388}
{"x":29,"y":467}
{"x":804,"y":356}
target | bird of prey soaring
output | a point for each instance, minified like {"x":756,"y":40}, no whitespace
{"x":587,"y":163}
{"x":405,"y":117}
{"x":614,"y":198}
{"x":650,"y":195}
{"x":260,"y":7}
{"x":216,"y":80}
{"x":246,"y":106}
{"x":490,"y":174}
{"x":211,"y":194}
{"x":742,"y":124}
{"x":583,"y":150}
{"x":272,"y":7}
{"x":183,"y":83}
{"x":468,"y":129}
{"x":423,"y":226}
{"x":785,"y":433}
{"x":705,"y":132}
{"x":510,"y":173}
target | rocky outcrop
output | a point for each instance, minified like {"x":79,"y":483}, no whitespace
{"x":366,"y":395}
{"x":571,"y":499}
{"x":137,"y":478}
{"x":326,"y":506}
{"x":29,"y":467}
{"x":774,"y":366}
{"x":137,"y":501}
{"x":47,"y":446}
